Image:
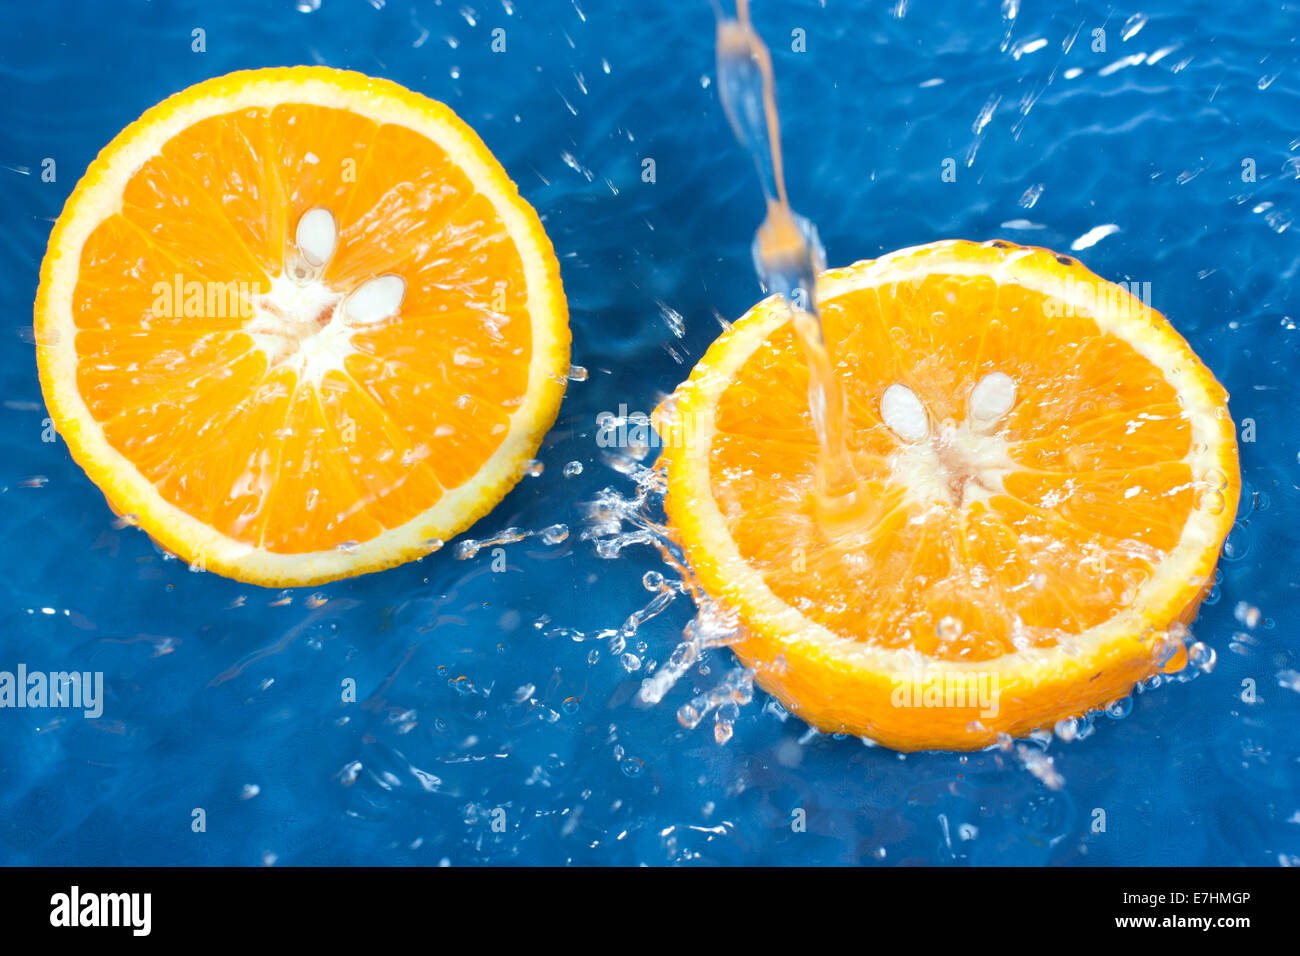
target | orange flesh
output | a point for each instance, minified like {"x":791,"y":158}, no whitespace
{"x":224,"y":428}
{"x":1092,"y":492}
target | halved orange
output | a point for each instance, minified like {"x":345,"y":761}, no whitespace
{"x":299,"y":324}
{"x":1046,"y":475}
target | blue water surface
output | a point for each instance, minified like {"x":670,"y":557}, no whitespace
{"x":475,"y":702}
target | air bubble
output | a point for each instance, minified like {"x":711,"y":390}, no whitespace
{"x":1202,"y":657}
{"x":1246,"y":614}
{"x":1119,"y":708}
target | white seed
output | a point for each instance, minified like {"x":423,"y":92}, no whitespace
{"x":376,"y":299}
{"x":316,"y":235}
{"x":904,"y":413}
{"x":992,"y":397}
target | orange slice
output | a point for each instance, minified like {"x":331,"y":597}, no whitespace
{"x":299,"y":324}
{"x":1046,"y":475}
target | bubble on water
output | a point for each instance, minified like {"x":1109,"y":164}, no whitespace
{"x":1238,"y":543}
{"x":462,"y":685}
{"x":632,"y":766}
{"x":689,"y":715}
{"x":723,"y":728}
{"x":349,"y":773}
{"x":572,"y":469}
{"x":1119,"y":708}
{"x":1246,"y":614}
{"x":1067,"y":729}
{"x":1242,"y":643}
{"x":1201,"y":657}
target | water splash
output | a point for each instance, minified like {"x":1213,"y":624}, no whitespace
{"x":787,"y":252}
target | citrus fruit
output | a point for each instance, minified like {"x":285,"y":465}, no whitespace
{"x":1046,"y":473}
{"x":298,"y":324}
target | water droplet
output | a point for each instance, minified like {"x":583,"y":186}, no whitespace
{"x":1202,"y":657}
{"x":632,"y":766}
{"x":572,"y":469}
{"x":555,"y":534}
{"x":1067,"y":730}
{"x":1031,"y":196}
{"x":1238,"y":543}
{"x":1119,"y":708}
{"x":1246,"y":614}
{"x":948,"y":629}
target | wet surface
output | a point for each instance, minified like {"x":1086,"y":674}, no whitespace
{"x":490,"y":723}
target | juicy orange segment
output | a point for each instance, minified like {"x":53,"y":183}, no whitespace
{"x":300,"y":324}
{"x":1046,"y":474}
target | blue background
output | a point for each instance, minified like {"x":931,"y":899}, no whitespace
{"x":226,"y":697}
